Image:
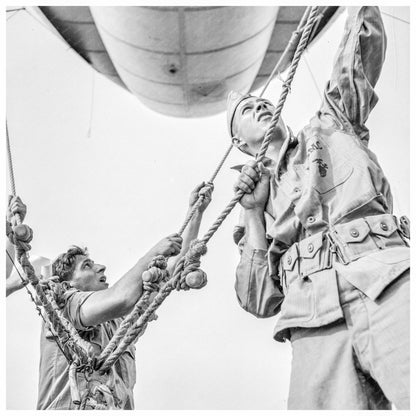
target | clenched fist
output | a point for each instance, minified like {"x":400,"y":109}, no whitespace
{"x":255,"y":182}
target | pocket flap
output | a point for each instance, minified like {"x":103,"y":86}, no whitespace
{"x":354,"y":231}
{"x":382,"y":225}
{"x":290,"y":257}
{"x":309,"y":246}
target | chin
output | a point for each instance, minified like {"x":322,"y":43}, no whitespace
{"x":102,"y":286}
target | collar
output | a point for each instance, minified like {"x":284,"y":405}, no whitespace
{"x":290,"y":142}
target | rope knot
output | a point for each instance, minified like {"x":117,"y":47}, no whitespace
{"x":155,"y":274}
{"x":159,"y":261}
{"x":23,"y":233}
{"x":56,"y":289}
{"x":197,"y":248}
{"x":20,"y":235}
{"x":191,"y":276}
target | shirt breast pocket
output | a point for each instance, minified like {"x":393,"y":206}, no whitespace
{"x":328,"y":165}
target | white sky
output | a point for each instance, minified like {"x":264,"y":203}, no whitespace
{"x":121,"y":189}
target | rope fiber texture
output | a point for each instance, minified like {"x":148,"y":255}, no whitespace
{"x":65,"y":334}
{"x":187,"y":264}
{"x":273,"y":123}
{"x":191,"y":261}
{"x":186,"y":267}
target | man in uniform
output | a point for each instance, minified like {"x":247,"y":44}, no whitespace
{"x":96,"y":311}
{"x":321,"y":246}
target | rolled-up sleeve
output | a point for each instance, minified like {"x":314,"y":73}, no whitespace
{"x":257,"y":291}
{"x":349,"y":95}
{"x":72,"y":308}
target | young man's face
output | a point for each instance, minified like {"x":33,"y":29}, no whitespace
{"x":88,"y":276}
{"x":251,"y":120}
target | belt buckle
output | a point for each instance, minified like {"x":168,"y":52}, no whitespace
{"x":333,"y":248}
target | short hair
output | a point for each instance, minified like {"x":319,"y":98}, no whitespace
{"x":64,"y":265}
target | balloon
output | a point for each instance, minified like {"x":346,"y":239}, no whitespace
{"x":181,"y":61}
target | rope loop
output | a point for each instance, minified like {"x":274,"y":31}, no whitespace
{"x":159,"y":261}
{"x":55,"y":288}
{"x":20,"y":235}
{"x":189,"y":275}
{"x":155,"y":274}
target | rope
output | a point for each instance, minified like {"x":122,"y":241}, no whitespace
{"x":143,"y":302}
{"x":268,"y":136}
{"x":290,"y":45}
{"x":39,"y":311}
{"x":21,"y":236}
{"x":201,"y":197}
{"x":187,"y":264}
{"x":318,"y":90}
{"x":187,"y":269}
{"x":15,"y":10}
{"x":10,"y":160}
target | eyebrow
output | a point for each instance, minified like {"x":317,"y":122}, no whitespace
{"x":86,"y":261}
{"x":244,"y":106}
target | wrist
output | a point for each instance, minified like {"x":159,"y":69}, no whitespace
{"x":13,"y":286}
{"x":257,"y":210}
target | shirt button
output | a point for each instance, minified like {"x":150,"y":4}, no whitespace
{"x":289,"y":260}
{"x":384,"y":226}
{"x":311,"y":220}
{"x":354,"y":233}
{"x":310,"y":247}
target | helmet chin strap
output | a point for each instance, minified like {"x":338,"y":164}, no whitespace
{"x":239,"y":144}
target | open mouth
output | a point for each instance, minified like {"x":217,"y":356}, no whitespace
{"x":103,"y":279}
{"x":265,"y":114}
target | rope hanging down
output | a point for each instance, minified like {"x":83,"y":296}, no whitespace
{"x":268,"y":136}
{"x":186,"y":273}
{"x":293,"y":41}
{"x":155,"y":275}
{"x":198,"y":247}
{"x":21,"y":235}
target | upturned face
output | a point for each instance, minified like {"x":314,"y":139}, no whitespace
{"x":88,"y":276}
{"x":251,"y":121}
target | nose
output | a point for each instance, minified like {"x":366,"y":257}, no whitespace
{"x":99,"y":268}
{"x":261,"y":106}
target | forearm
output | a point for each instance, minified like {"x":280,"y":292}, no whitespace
{"x":190,"y":234}
{"x":13,"y":283}
{"x":118,"y":300}
{"x":255,"y":228}
{"x":129,"y":287}
{"x":10,"y":254}
{"x":12,"y":287}
{"x":257,"y":291}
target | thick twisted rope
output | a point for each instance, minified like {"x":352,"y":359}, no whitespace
{"x":151,"y":280}
{"x":10,"y":160}
{"x":303,"y":43}
{"x":64,"y":330}
{"x":143,"y":302}
{"x":273,"y":123}
{"x":183,"y":271}
{"x":290,"y":46}
{"x":65,"y":353}
{"x":201,"y":197}
{"x":175,"y":282}
{"x":21,"y":236}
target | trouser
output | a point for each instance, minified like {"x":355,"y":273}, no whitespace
{"x":361,"y":362}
